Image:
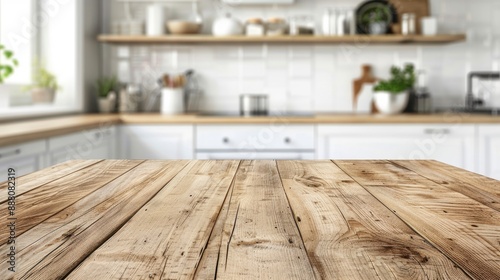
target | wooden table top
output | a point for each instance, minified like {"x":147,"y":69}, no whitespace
{"x":254,"y":220}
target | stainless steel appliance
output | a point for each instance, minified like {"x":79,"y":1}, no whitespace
{"x":254,"y":105}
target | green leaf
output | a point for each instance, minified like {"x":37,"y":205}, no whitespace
{"x":2,"y":47}
{"x":8,"y":54}
{"x":16,"y":62}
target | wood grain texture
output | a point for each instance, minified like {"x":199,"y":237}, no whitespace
{"x":482,"y":189}
{"x":344,"y":228}
{"x":462,"y":228}
{"x":257,"y":220}
{"x":39,"y":204}
{"x":260,"y":239}
{"x":207,"y":39}
{"x":34,"y":180}
{"x":54,"y":248}
{"x":24,"y":131}
{"x":167,"y":237}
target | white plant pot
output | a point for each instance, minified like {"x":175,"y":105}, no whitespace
{"x":43,"y":95}
{"x":105,"y":105}
{"x":389,"y":103}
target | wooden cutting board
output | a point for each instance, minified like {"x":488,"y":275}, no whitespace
{"x":366,"y":78}
{"x":421,"y":8}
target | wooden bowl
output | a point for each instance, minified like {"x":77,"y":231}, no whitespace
{"x":179,"y":27}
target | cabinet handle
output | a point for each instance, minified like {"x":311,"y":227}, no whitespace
{"x":225,"y":140}
{"x":288,"y":140}
{"x":437,"y":131}
{"x":11,"y":153}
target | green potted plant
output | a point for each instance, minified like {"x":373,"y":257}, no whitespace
{"x":44,"y":87}
{"x":391,"y":96}
{"x":376,"y":20}
{"x":7,"y":65}
{"x":106,"y":93}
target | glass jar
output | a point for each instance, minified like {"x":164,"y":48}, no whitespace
{"x":302,"y":25}
{"x":276,"y":27}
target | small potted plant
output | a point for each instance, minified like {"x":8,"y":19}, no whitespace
{"x":106,"y":94}
{"x":44,"y":87}
{"x":391,"y":96}
{"x":7,"y":65}
{"x":376,"y":20}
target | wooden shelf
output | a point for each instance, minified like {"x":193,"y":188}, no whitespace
{"x":353,"y":39}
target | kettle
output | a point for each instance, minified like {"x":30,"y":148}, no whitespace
{"x":227,"y":26}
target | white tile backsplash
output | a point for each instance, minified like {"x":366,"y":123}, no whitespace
{"x":315,"y":77}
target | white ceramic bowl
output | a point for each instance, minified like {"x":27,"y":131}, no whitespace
{"x":389,"y":103}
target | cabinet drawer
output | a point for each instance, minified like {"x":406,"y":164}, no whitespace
{"x":22,"y":150}
{"x":258,"y":137}
{"x":96,"y":137}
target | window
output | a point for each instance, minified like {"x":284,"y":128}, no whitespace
{"x":16,"y":35}
{"x":41,"y":33}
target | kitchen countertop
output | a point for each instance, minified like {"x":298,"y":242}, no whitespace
{"x":254,"y":220}
{"x":15,"y":132}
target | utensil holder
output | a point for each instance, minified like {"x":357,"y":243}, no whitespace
{"x":172,"y":101}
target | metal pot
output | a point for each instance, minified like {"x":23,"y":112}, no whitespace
{"x":254,"y":105}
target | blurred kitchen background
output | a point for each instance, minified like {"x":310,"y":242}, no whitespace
{"x":356,"y":79}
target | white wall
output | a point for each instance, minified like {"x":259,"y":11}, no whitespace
{"x":315,"y":77}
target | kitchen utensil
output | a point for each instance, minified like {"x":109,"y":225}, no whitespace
{"x":227,"y":26}
{"x":180,"y":27}
{"x":408,"y":24}
{"x":429,"y":26}
{"x":172,"y":101}
{"x":421,"y":8}
{"x":155,"y":19}
{"x":254,"y":105}
{"x":366,"y":78}
{"x":368,"y":10}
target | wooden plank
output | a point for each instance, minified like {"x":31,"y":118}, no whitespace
{"x":260,"y":239}
{"x":207,"y":39}
{"x":462,"y":228}
{"x":207,"y":268}
{"x":52,"y":249}
{"x":348,"y":234}
{"x":34,"y":180}
{"x":482,"y":189}
{"x":39,"y":204}
{"x":167,"y":237}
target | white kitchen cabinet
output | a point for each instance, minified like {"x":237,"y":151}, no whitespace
{"x":453,"y":144}
{"x":99,"y":143}
{"x":160,"y":142}
{"x":24,"y":158}
{"x":489,"y":150}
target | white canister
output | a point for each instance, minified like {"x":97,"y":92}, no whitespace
{"x":429,"y":26}
{"x":155,"y":20}
{"x":172,"y":101}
